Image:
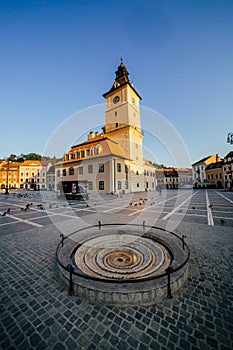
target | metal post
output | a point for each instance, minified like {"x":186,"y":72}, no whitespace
{"x":182,"y":238}
{"x":99,"y":222}
{"x":143,"y":224}
{"x":71,"y":270}
{"x":7,"y":177}
{"x":169,"y":293}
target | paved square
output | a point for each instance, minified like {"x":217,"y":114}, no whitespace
{"x":38,"y":313}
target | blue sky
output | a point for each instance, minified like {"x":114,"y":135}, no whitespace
{"x":59,"y":57}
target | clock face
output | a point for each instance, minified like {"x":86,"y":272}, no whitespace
{"x":116,"y":99}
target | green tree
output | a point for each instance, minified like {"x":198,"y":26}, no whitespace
{"x":32,"y":156}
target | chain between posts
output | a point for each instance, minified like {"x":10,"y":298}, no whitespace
{"x":62,"y":239}
{"x":183,"y":242}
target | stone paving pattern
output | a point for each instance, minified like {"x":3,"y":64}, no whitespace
{"x":36,"y":311}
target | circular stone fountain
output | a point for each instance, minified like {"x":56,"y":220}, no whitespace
{"x":124,"y":256}
{"x":125,"y":266}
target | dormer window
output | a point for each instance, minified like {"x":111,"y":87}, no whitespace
{"x":97,"y":149}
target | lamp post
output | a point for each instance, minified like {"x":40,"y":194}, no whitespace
{"x":7,"y":177}
{"x":230,"y":138}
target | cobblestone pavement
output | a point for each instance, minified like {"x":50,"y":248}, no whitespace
{"x":36,"y":311}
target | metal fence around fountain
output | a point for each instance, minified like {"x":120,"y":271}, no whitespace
{"x":168,"y":272}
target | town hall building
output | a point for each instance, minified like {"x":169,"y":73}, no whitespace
{"x":112,"y":161}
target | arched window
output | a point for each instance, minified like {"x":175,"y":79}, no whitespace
{"x":63,"y":172}
{"x":71,"y":171}
{"x":101,"y":168}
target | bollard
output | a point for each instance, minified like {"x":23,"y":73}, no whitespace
{"x":182,"y":238}
{"x":71,"y":270}
{"x":143,"y":224}
{"x":99,"y":224}
{"x":169,"y":294}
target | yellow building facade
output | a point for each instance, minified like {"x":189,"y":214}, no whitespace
{"x":27,"y":175}
{"x":9,"y":175}
{"x":214,"y":174}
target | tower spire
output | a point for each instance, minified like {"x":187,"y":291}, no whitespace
{"x":122,"y":75}
{"x":121,"y":79}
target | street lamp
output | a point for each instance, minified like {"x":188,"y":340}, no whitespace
{"x":230,"y":138}
{"x":7,"y":177}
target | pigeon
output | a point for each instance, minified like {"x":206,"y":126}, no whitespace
{"x":8,"y":211}
{"x":4,"y":214}
{"x":210,"y":206}
{"x":222,"y":221}
{"x":193,"y":207}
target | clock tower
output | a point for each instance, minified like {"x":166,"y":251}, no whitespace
{"x":123,"y":123}
{"x":122,"y":102}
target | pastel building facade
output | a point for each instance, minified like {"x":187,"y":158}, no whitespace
{"x":9,"y":174}
{"x":111,"y":162}
{"x":199,"y":169}
{"x":33,"y":174}
{"x":227,"y":171}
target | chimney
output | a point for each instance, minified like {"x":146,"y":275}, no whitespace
{"x":96,"y":133}
{"x":91,"y":135}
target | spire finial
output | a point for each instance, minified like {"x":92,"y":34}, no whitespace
{"x":122,"y":58}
